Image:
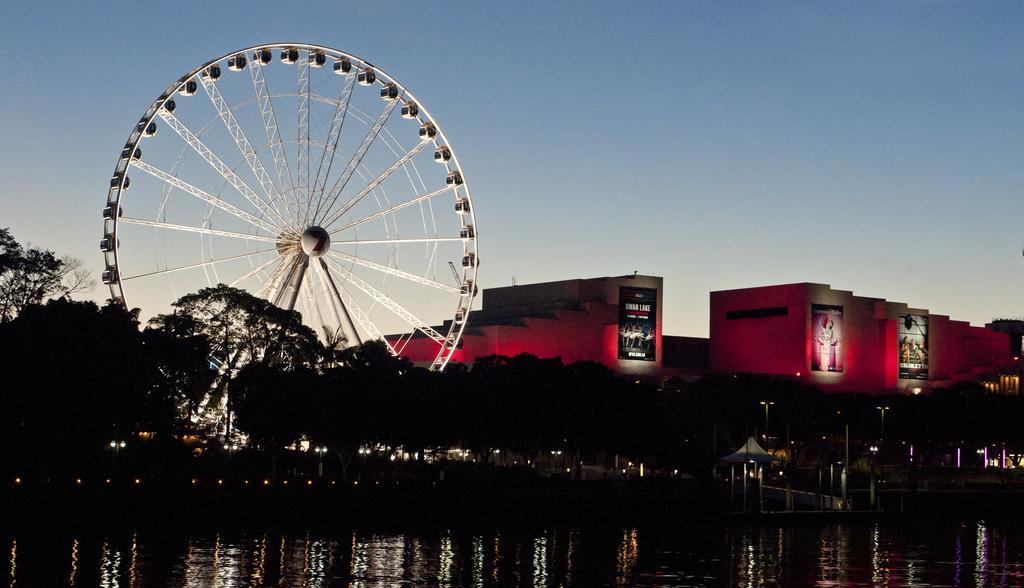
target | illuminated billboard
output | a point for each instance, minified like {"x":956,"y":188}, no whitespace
{"x":912,"y":334}
{"x":637,"y":323}
{"x":826,"y":338}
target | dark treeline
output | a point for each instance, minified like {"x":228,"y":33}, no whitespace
{"x":77,"y":380}
{"x":75,"y":376}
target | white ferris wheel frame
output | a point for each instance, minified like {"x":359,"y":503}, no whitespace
{"x":271,"y":215}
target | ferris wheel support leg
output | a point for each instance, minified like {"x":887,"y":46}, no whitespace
{"x":287,"y":295}
{"x":335,"y":313}
{"x":271,"y":289}
{"x":343,"y":316}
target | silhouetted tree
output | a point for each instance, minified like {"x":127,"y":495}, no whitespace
{"x":180,"y":353}
{"x":30,"y":276}
{"x":362,"y":400}
{"x":242,"y":330}
{"x":73,"y":377}
{"x":276,"y":406}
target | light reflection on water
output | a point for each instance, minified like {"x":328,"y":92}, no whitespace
{"x":976,"y":553}
{"x":73,"y":576}
{"x":981,"y":555}
{"x":540,"y":562}
{"x":478,"y":559}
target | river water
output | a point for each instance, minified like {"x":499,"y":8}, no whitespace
{"x":968,"y":553}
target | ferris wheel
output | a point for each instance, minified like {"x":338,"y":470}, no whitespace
{"x":309,"y":177}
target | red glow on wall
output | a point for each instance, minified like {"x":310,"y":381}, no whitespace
{"x":571,"y":335}
{"x":769,"y":330}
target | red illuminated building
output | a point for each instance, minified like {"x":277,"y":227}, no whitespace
{"x":838,"y":341}
{"x":614,"y":321}
{"x":810,"y":332}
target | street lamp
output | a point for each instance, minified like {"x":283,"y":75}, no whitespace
{"x":766,"y":404}
{"x":320,"y":451}
{"x":881,"y":437}
{"x":116,"y":446}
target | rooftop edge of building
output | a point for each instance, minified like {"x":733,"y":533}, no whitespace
{"x":573,"y":291}
{"x":905,"y":306}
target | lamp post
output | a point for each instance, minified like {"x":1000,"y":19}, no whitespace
{"x":320,"y":451}
{"x":881,"y":436}
{"x":846,"y":457}
{"x":766,"y":404}
{"x":116,"y":446}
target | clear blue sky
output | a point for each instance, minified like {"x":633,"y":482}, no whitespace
{"x":878,"y":147}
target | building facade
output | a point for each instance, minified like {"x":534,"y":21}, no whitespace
{"x":1014,"y":328}
{"x":614,"y":321}
{"x":829,"y":338}
{"x":839,"y":341}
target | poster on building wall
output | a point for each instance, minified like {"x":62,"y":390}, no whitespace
{"x":637,"y":323}
{"x":912,"y":334}
{"x":826,"y":338}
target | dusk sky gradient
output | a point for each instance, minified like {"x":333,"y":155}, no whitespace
{"x":876,"y":147}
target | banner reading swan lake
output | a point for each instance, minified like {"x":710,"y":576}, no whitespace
{"x":826,"y":338}
{"x":913,"y":338}
{"x":637,"y":321}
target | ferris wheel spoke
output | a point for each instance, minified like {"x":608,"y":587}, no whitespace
{"x":302,"y":137}
{"x":356,"y":159}
{"x":266,"y":105}
{"x":184,"y":186}
{"x":253,"y":272}
{"x":391,"y":305}
{"x":384,"y":175}
{"x":394,"y":272}
{"x":337,"y":123}
{"x":395,"y":241}
{"x":235,"y":130}
{"x":269,"y":288}
{"x":191,"y":229}
{"x":387,"y":211}
{"x":220,"y":167}
{"x":195,"y":265}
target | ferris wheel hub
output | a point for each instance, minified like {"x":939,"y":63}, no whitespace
{"x":315,"y":241}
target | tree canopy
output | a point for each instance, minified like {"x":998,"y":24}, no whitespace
{"x":30,"y":276}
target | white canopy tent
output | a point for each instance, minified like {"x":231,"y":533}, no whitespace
{"x":750,"y":453}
